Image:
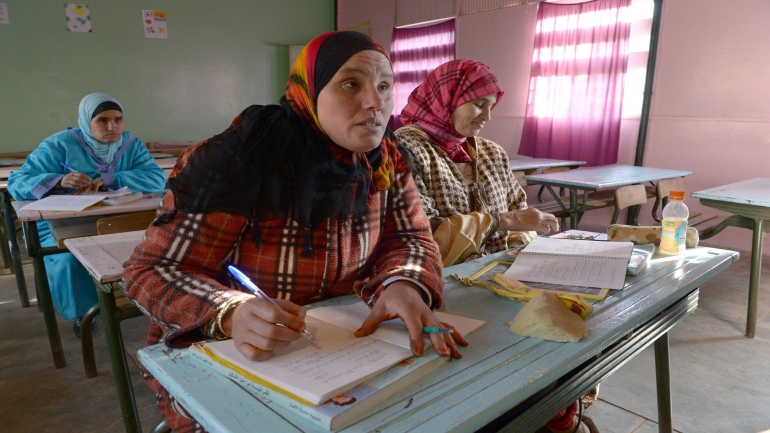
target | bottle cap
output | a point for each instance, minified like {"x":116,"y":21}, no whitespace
{"x":676,"y":195}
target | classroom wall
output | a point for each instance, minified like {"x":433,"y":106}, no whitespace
{"x":220,"y":57}
{"x":710,"y":111}
{"x":711,"y":101}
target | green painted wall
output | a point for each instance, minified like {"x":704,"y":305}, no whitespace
{"x":221,"y":56}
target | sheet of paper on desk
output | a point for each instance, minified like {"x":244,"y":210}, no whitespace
{"x":72,"y":203}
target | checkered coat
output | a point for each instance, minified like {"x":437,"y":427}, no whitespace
{"x":177,"y":274}
{"x":445,"y":190}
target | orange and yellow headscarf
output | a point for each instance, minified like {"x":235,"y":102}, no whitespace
{"x":313,"y":69}
{"x":275,"y":161}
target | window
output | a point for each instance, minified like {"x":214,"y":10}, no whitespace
{"x":415,"y":52}
{"x":577,"y":81}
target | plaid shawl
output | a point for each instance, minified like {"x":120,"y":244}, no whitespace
{"x":450,"y":85}
{"x":445,"y":190}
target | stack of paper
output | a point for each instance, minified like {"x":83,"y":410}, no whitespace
{"x":73,"y":203}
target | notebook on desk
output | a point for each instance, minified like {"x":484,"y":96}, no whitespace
{"x":575,"y":262}
{"x":323,"y":381}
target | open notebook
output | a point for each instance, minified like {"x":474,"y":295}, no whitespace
{"x":581,"y":263}
{"x":312,"y":373}
{"x":73,"y":203}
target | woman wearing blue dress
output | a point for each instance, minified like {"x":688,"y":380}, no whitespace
{"x":97,"y":155}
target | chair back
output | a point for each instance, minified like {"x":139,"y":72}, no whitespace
{"x":632,"y":195}
{"x":555,"y":170}
{"x":662,"y":191}
{"x":125,"y":223}
{"x":519,"y":175}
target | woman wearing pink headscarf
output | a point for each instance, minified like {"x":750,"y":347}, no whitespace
{"x":474,"y":203}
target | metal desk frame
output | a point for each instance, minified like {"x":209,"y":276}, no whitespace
{"x":663,"y":297}
{"x":747,"y":215}
{"x":603,"y":177}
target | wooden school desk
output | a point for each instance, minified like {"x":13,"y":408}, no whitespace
{"x":531,"y":165}
{"x":504,"y":382}
{"x":37,"y":252}
{"x":165,"y":163}
{"x":12,"y":245}
{"x":104,"y":256}
{"x":595,"y":178}
{"x":749,"y":201}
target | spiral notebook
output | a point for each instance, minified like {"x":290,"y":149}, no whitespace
{"x":575,"y":262}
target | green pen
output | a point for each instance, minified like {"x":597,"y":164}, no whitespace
{"x":437,"y":330}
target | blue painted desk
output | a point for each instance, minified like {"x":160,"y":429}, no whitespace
{"x":504,"y":382}
{"x":595,"y":178}
{"x":10,"y":245}
{"x":104,"y":256}
{"x":749,"y":201}
{"x":37,"y":253}
{"x":529,"y":166}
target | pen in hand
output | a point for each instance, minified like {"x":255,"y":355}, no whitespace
{"x":68,"y":167}
{"x":437,"y":330}
{"x":257,"y":291}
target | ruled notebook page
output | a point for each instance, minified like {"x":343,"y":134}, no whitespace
{"x":573,"y":262}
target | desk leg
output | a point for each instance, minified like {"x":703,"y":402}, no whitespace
{"x":663,"y":384}
{"x":756,"y":271}
{"x":119,"y":363}
{"x":5,"y":250}
{"x":44,"y":293}
{"x":573,"y":213}
{"x":10,"y":229}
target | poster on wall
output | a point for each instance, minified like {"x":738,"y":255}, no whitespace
{"x":3,"y":13}
{"x":154,"y":23}
{"x":78,"y":18}
{"x":365,"y":28}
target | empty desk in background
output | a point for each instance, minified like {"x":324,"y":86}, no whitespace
{"x":11,"y":247}
{"x":36,"y":252}
{"x":749,"y":201}
{"x":596,"y":178}
{"x":165,"y":163}
{"x":104,"y":256}
{"x":529,"y":166}
{"x":9,"y":162}
{"x":6,"y":171}
{"x":504,"y":382}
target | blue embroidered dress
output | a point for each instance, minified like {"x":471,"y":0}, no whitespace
{"x":72,"y":289}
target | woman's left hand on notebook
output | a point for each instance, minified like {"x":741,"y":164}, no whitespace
{"x":402,"y":299}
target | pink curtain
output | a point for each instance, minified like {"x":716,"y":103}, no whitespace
{"x":415,"y":53}
{"x":576,"y":84}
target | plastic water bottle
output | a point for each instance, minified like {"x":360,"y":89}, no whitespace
{"x":674,"y":225}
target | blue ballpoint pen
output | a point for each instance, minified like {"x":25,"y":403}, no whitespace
{"x":257,"y":291}
{"x":68,"y":167}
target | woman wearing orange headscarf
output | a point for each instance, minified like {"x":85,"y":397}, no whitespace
{"x":309,"y":198}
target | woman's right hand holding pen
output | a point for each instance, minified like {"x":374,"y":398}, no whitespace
{"x":75,"y":180}
{"x":255,"y":326}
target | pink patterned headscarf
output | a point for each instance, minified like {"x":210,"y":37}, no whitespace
{"x":450,"y":85}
